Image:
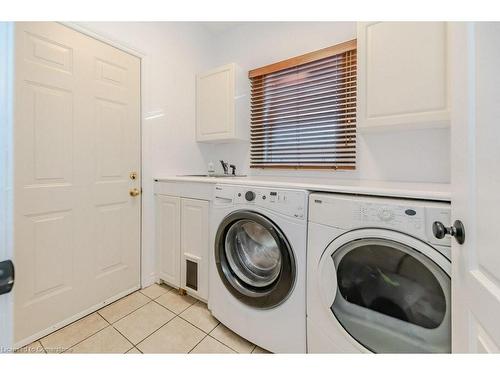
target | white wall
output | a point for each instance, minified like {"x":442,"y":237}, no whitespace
{"x":419,"y":156}
{"x":173,"y":52}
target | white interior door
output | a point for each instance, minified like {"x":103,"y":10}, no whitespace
{"x":76,"y":139}
{"x":476,"y":186}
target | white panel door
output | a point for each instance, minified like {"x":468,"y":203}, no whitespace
{"x":113,"y":150}
{"x":195,"y":246}
{"x":168,"y":238}
{"x":476,"y":186}
{"x":76,"y":138}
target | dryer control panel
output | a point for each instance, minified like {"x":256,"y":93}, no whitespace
{"x":413,"y":217}
{"x":288,"y":202}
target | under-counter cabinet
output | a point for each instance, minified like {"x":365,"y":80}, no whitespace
{"x":221,"y":107}
{"x":168,"y":238}
{"x":402,"y":75}
{"x":182,"y":243}
{"x":194,"y":246}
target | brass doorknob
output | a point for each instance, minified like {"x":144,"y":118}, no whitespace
{"x":134,"y":192}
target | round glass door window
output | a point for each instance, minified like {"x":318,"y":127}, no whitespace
{"x":254,"y":259}
{"x":392,"y":298}
{"x":253,"y":254}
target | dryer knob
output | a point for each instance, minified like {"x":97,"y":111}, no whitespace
{"x":249,"y":196}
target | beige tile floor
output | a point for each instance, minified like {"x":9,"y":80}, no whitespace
{"x":153,"y":320}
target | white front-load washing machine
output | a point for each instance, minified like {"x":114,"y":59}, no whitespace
{"x":257,"y":268}
{"x":377,"y":278}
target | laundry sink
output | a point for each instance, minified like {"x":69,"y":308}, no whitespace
{"x":217,"y":175}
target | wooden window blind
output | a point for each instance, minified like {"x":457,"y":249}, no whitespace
{"x":303,"y":111}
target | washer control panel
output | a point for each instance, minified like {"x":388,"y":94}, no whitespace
{"x":285,"y":201}
{"x":403,"y":218}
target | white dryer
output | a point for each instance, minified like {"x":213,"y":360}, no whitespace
{"x":378,"y":280}
{"x":257,"y":268}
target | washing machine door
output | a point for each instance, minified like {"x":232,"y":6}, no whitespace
{"x":254,"y":259}
{"x":389,"y":292}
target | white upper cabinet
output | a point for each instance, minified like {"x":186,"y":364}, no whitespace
{"x":402,"y":75}
{"x":220,"y":112}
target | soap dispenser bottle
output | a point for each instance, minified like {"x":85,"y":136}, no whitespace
{"x":211,"y":169}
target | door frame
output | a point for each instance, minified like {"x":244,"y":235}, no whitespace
{"x":6,"y":174}
{"x":7,"y":69}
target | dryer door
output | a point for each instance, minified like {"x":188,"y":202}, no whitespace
{"x":390,"y":293}
{"x":254,"y":259}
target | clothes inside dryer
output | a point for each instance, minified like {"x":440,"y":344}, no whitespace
{"x":391,"y":298}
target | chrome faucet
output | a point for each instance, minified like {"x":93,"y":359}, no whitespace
{"x":224,"y":166}
{"x":226,"y":169}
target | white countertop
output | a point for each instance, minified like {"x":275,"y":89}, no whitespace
{"x":415,"y":190}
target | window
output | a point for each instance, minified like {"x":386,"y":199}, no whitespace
{"x":303,"y":111}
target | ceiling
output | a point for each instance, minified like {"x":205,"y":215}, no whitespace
{"x":220,"y":27}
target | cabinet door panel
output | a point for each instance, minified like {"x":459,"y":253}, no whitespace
{"x":215,"y":104}
{"x":168,"y":241}
{"x":403,"y":74}
{"x":195,"y":246}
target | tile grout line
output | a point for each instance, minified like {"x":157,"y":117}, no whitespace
{"x":125,"y":314}
{"x":150,"y":300}
{"x":135,"y":345}
{"x":83,"y":317}
{"x":206,"y":334}
{"x":173,"y":312}
{"x":125,"y":337}
{"x":112,"y":324}
{"x":175,"y":315}
{"x":108,"y":322}
{"x":140,"y":291}
{"x":60,"y":329}
{"x":209,"y":333}
{"x":220,"y":342}
{"x":234,"y":350}
{"x":171,"y":290}
{"x":88,"y":337}
{"x":43,"y":347}
{"x":179,"y":315}
{"x":198,"y":343}
{"x":96,"y":332}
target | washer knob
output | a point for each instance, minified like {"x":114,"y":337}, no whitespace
{"x":249,"y":196}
